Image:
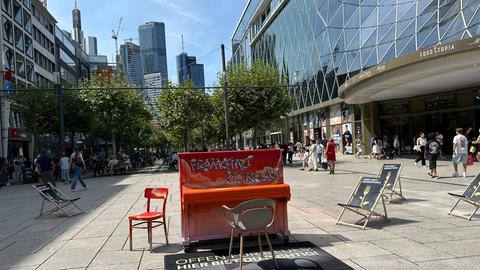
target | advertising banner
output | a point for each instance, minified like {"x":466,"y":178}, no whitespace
{"x":367,"y":192}
{"x":389,"y":174}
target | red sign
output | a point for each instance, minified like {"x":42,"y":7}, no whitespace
{"x":231,"y":169}
{"x":14,"y":133}
{"x":7,"y":75}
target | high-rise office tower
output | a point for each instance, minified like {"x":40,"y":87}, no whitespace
{"x":153,"y":49}
{"x":90,"y":45}
{"x":77,"y":33}
{"x":132,"y":63}
{"x":188,"y":68}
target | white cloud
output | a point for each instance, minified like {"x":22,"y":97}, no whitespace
{"x":182,"y":11}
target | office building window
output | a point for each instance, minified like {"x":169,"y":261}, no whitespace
{"x":30,"y":71}
{"x":7,"y":6}
{"x":7,"y":30}
{"x":17,"y":12}
{"x":26,"y":3}
{"x":27,"y":21}
{"x":8,"y":58}
{"x":28,"y":46}
{"x":18,"y":38}
{"x":20,"y":65}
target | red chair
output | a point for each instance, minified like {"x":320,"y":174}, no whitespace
{"x":150,"y":218}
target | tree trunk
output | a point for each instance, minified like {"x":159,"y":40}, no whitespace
{"x":185,"y":139}
{"x":114,"y":145}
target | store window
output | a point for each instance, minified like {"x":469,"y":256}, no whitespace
{"x":19,"y":38}
{"x":20,"y":65}
{"x":8,"y":58}
{"x":17,"y":12}
{"x":7,"y":6}
{"x":7,"y":30}
{"x":27,"y":21}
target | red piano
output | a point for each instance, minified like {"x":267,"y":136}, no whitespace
{"x":209,"y":180}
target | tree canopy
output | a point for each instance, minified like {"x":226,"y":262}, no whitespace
{"x":257,"y":96}
{"x":182,"y":109}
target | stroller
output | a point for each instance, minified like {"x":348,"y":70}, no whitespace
{"x":387,"y":152}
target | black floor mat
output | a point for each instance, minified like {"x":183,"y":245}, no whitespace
{"x":292,"y":256}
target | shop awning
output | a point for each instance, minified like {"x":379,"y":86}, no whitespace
{"x":432,"y":70}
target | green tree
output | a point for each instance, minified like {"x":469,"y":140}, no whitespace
{"x":182,"y":110}
{"x":119,"y":111}
{"x":257,"y":95}
{"x":38,"y":109}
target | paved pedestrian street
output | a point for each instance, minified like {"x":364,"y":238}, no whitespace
{"x":420,"y":234}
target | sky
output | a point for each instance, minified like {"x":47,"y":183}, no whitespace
{"x":205,"y":24}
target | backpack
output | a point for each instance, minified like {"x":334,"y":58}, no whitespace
{"x":77,"y":161}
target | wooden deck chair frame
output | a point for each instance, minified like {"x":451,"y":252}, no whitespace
{"x":367,"y":214}
{"x":59,"y":206}
{"x":397,"y":181}
{"x":459,"y":197}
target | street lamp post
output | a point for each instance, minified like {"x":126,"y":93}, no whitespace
{"x":225,"y":97}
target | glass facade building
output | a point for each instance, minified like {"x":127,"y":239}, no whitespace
{"x":132,"y":62}
{"x":153,"y":48}
{"x":318,"y":45}
{"x":188,"y":68}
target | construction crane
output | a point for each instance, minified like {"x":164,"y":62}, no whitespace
{"x":115,"y":37}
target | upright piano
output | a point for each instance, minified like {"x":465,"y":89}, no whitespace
{"x":209,"y":180}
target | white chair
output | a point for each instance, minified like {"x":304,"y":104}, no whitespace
{"x":251,"y":216}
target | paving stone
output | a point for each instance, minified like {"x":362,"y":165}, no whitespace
{"x":420,"y":232}
{"x":393,"y":262}
{"x":411,"y":250}
{"x":355,"y":250}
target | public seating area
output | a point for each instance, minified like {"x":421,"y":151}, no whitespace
{"x":419,"y":234}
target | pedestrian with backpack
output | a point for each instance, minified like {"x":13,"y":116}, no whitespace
{"x":77,"y":164}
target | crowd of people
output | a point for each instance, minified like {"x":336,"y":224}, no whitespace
{"x":464,"y":151}
{"x":69,"y":169}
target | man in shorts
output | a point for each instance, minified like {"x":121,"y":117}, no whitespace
{"x":460,"y":152}
{"x":431,"y":154}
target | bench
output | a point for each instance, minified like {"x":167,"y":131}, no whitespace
{"x":209,"y":180}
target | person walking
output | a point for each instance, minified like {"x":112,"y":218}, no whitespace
{"x":396,"y":145}
{"x":290,"y":153}
{"x":360,"y":147}
{"x":45,"y":168}
{"x":18,"y":168}
{"x":3,"y":172}
{"x":320,"y":150}
{"x":432,"y":150}
{"x":64,"y":168}
{"x":305,"y":156}
{"x":330,"y":155}
{"x":77,"y":164}
{"x":460,"y":152}
{"x":420,"y":148}
{"x":312,"y":160}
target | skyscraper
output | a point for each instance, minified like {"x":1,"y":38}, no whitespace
{"x":153,"y":84}
{"x":132,"y":62}
{"x":90,"y":45}
{"x":77,"y":33}
{"x":188,"y":68}
{"x":153,"y":49}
